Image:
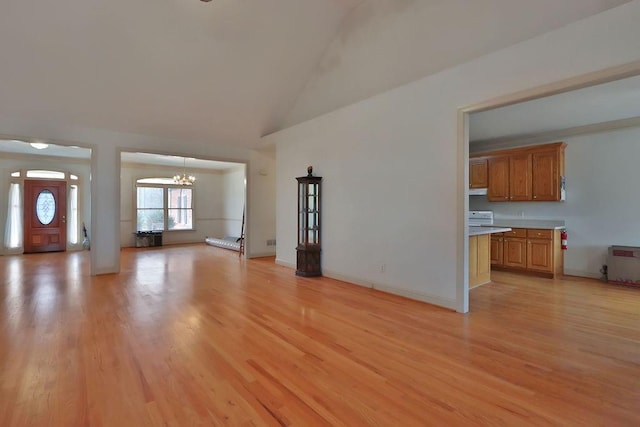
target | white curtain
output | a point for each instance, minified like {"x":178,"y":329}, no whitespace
{"x":73,"y":215}
{"x":13,"y":229}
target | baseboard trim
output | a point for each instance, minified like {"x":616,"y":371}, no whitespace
{"x":580,"y":273}
{"x":103,"y":271}
{"x":285,"y":263}
{"x":407,"y":293}
{"x":260,"y":255}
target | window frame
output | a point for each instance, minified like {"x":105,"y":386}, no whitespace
{"x":165,"y":204}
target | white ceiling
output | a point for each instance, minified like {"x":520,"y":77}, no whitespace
{"x":177,"y":162}
{"x":384,"y":44}
{"x":53,"y":150}
{"x":230,"y":71}
{"x":220,"y":72}
{"x":608,"y":102}
{"x":73,"y":152}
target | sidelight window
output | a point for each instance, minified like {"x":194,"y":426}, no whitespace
{"x":13,"y":229}
{"x":73,"y":214}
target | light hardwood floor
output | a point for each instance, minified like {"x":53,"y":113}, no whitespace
{"x":191,"y":335}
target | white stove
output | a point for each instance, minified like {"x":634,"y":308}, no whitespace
{"x":479,"y":218}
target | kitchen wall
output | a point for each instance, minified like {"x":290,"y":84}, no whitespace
{"x":394,"y":173}
{"x":602,"y":199}
{"x":11,"y":162}
{"x":218,"y":200}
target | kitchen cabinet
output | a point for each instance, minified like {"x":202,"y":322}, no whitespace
{"x":539,"y":255}
{"x":498,"y":190}
{"x":536,"y":251}
{"x":533,"y":173}
{"x":515,"y":252}
{"x":479,"y":265}
{"x":497,"y":245}
{"x":520,"y":177}
{"x":548,"y":170}
{"x":540,"y":250}
{"x":478,"y":173}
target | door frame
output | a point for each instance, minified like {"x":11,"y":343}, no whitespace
{"x":567,"y":85}
{"x":32,"y":189}
{"x":82,"y":188}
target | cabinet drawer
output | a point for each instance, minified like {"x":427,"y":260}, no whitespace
{"x":516,"y":232}
{"x":535,"y":233}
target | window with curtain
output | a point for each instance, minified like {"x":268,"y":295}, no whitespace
{"x":13,"y":229}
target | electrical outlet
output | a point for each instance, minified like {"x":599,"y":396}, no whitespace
{"x":383,"y":268}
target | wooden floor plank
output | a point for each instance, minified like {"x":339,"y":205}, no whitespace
{"x":192,"y":335}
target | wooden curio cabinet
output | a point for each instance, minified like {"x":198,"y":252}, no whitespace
{"x":309,"y":202}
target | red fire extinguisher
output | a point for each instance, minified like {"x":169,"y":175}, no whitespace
{"x":563,"y":238}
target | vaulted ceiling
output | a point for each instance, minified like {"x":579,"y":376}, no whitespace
{"x":230,"y":71}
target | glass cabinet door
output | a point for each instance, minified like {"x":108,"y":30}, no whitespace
{"x":309,"y":213}
{"x":308,"y":249}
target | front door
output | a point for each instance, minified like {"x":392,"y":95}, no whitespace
{"x":45,"y":216}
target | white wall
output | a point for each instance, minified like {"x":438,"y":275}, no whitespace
{"x":233,"y":191}
{"x":212,"y":196}
{"x":10,"y":162}
{"x":602,"y":199}
{"x":261,"y":209}
{"x":394,"y":170}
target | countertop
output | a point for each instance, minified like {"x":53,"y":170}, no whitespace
{"x":527,"y":223}
{"x":477,"y":231}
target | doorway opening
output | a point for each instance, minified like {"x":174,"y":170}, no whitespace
{"x":185,"y":199}
{"x":45,"y":197}
{"x":42,"y":214}
{"x":580,"y":114}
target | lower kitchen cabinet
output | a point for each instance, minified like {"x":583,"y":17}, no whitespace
{"x":539,"y":255}
{"x":479,"y":265}
{"x":515,"y":252}
{"x":536,"y":251}
{"x":497,"y":245}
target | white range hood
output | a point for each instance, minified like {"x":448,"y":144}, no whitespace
{"x":477,"y":191}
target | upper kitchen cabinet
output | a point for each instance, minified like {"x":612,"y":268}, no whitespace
{"x":498,"y":190}
{"x":533,"y":173}
{"x":520,"y":177}
{"x":478,"y":177}
{"x":548,"y":167}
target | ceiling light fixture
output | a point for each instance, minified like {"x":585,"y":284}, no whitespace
{"x":184,"y":179}
{"x":39,"y":145}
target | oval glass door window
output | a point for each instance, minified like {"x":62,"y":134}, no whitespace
{"x":45,"y":207}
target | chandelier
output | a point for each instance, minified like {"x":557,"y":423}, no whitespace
{"x":184,"y":179}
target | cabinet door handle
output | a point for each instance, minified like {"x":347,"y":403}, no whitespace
{"x":535,"y":197}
